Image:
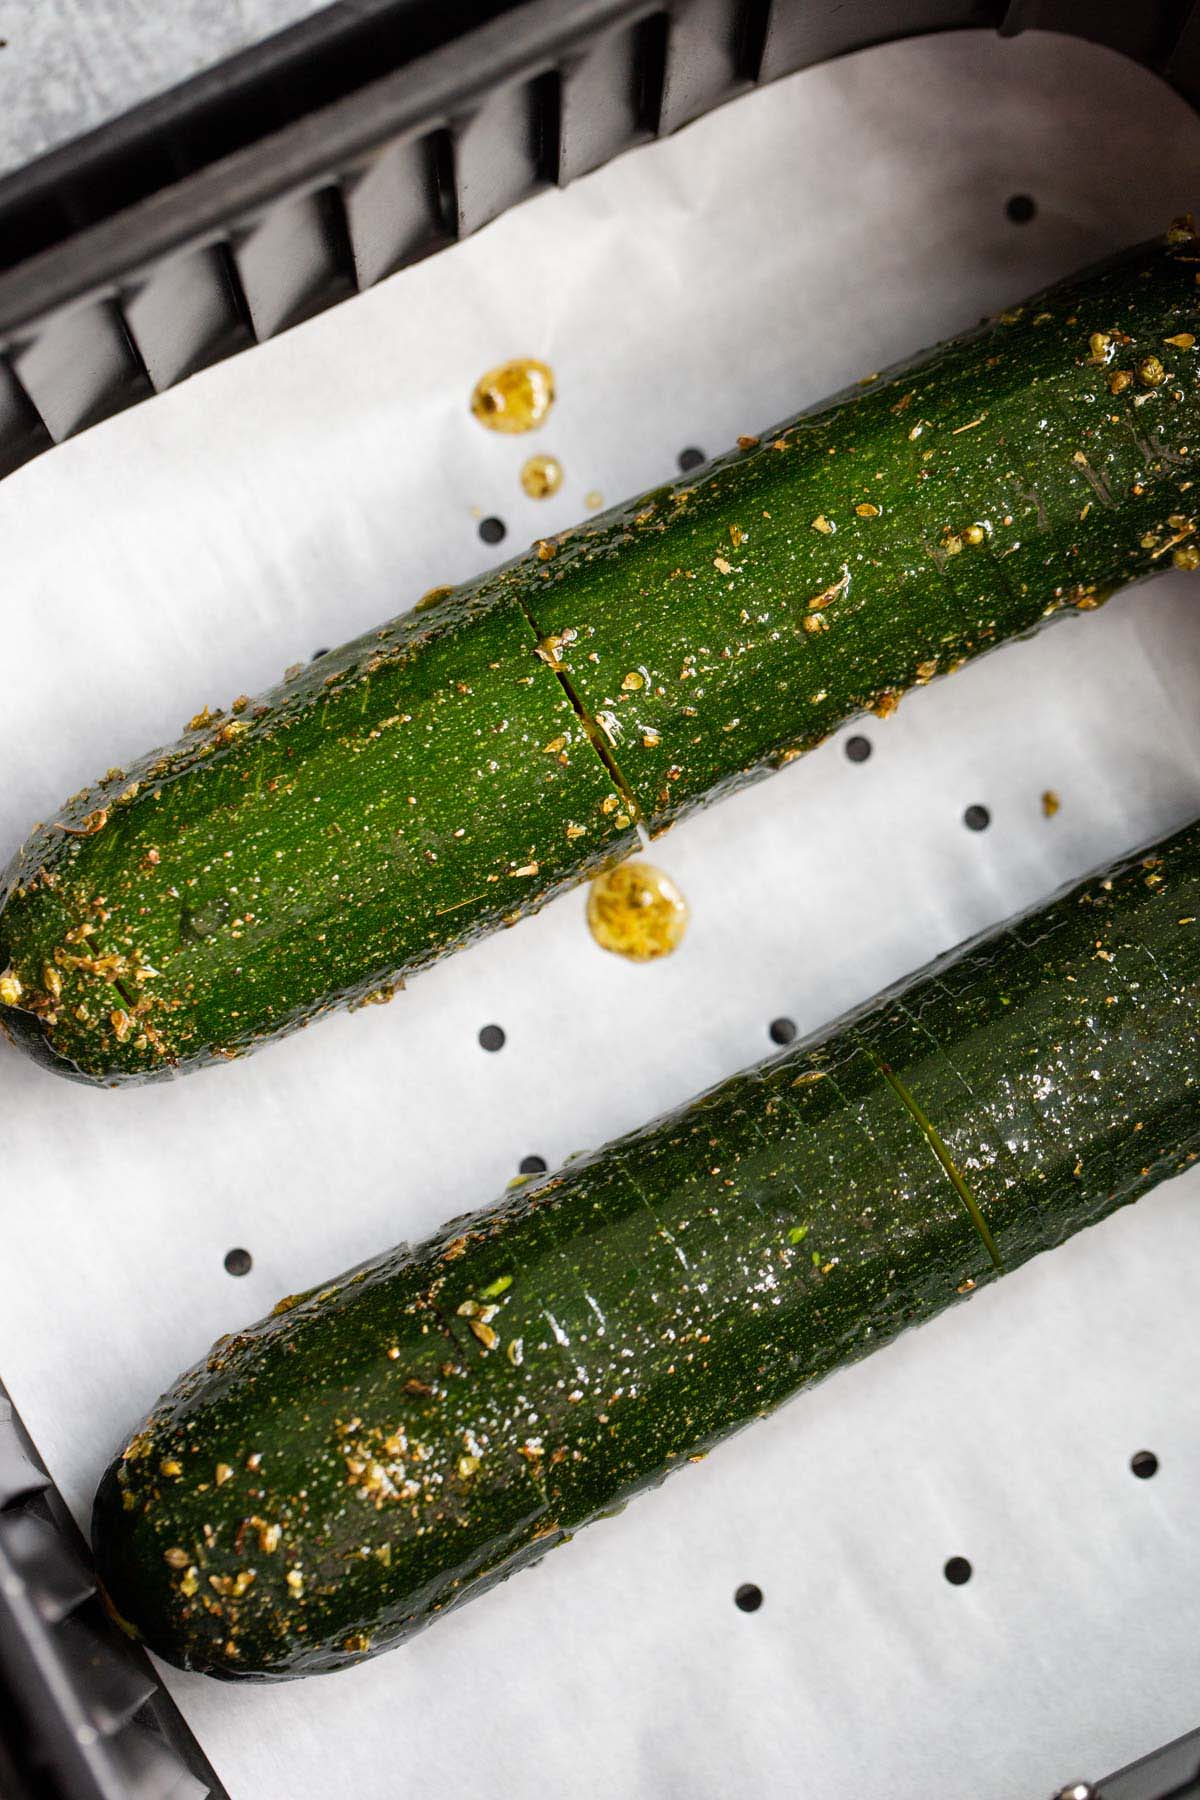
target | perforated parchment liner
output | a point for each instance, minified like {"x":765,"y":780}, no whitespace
{"x":190,"y":550}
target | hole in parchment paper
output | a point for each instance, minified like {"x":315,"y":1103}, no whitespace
{"x":691,"y":458}
{"x":957,"y":1571}
{"x":781,"y":1031}
{"x":748,"y":1597}
{"x":491,"y":1037}
{"x":858,"y":748}
{"x":492,"y":530}
{"x":1020,"y":208}
{"x":318,"y":654}
{"x":977,"y":818}
{"x":1144,"y":1464}
{"x":532,"y":1165}
{"x":238,"y":1262}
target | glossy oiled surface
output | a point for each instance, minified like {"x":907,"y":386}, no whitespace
{"x":384,"y":1448}
{"x":880,"y":540}
{"x":424,"y":784}
{"x":451,"y":772}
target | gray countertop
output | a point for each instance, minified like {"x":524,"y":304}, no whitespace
{"x":67,"y":66}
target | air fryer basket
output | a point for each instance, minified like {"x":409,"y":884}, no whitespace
{"x":373,"y":134}
{"x":216,"y":217}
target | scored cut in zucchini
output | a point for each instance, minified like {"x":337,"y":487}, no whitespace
{"x":452,"y":771}
{"x":732,"y":621}
{"x":380,"y":1450}
{"x":400,"y":797}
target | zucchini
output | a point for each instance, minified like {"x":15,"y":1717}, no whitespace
{"x":1030,"y":468}
{"x":454,"y":770}
{"x":397,"y":799}
{"x":380,"y":1450}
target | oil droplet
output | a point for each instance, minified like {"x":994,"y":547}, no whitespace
{"x":1050,"y":803}
{"x":541,"y":476}
{"x":593,"y":500}
{"x":514,"y":397}
{"x":636,"y":911}
{"x":432,"y":597}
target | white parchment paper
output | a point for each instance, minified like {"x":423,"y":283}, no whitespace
{"x":191,"y":549}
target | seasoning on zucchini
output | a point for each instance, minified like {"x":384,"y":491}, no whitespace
{"x":452,"y":771}
{"x":425,"y":784}
{"x":381,"y":1449}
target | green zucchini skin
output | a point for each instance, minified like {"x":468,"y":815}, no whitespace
{"x":733,"y":621}
{"x":456,"y":769}
{"x":374,"y":1453}
{"x":422,"y":786}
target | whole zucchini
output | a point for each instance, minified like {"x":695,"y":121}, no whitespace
{"x":453,"y":770}
{"x":330,"y":1480}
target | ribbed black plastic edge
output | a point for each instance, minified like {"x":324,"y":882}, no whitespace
{"x":83,"y":1716}
{"x":379,"y":131}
